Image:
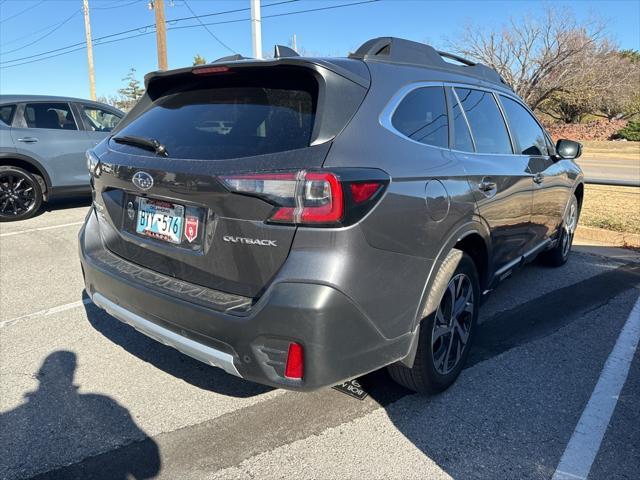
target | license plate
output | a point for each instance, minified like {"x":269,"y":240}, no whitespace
{"x":161,"y":220}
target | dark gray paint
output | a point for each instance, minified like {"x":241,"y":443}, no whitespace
{"x":351,"y":295}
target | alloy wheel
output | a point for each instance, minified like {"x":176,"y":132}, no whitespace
{"x":452,"y":324}
{"x":570,"y":224}
{"x":17,"y":194}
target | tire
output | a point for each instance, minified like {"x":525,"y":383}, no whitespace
{"x":432,"y":370}
{"x":20,"y":194}
{"x":558,"y":255}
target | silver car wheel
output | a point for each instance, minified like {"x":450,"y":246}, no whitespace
{"x":452,"y":324}
{"x":570,"y":224}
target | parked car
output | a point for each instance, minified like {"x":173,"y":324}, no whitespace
{"x":354,"y":217}
{"x":43,"y":141}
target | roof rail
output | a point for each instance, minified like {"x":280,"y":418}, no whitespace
{"x":399,"y":50}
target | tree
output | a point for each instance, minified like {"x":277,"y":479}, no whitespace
{"x":131,"y":93}
{"x":199,"y":60}
{"x":534,"y":55}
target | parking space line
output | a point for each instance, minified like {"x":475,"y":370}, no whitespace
{"x":585,"y":441}
{"x":46,"y":312}
{"x":9,"y":234}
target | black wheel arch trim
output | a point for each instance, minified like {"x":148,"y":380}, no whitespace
{"x":471,"y":227}
{"x":31,"y":161}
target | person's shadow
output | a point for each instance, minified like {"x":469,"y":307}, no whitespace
{"x":58,"y":426}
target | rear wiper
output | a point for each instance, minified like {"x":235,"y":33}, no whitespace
{"x":150,"y":144}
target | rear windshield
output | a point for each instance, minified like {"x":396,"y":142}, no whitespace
{"x":231,"y":117}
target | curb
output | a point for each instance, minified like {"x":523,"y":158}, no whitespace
{"x":608,"y":236}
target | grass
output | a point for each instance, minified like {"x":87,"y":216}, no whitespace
{"x":608,"y":149}
{"x":612,"y":208}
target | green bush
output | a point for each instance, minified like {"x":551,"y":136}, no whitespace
{"x":631,"y":132}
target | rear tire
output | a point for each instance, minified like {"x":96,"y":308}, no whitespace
{"x":446,"y":333}
{"x":20,"y":194}
{"x":559,"y":254}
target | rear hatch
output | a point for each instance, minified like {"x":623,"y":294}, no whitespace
{"x":160,"y":183}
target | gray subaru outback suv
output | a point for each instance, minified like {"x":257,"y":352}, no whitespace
{"x":43,"y":141}
{"x":352,"y":216}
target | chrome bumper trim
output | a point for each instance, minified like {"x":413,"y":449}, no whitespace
{"x":189,"y":347}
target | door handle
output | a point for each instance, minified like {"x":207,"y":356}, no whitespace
{"x":28,"y":139}
{"x":486,"y":186}
{"x":538,"y":178}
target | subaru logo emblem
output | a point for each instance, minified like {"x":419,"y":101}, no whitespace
{"x":142,"y":180}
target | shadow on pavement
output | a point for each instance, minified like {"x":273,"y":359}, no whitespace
{"x":169,"y":359}
{"x":515,"y":422}
{"x":56,"y":419}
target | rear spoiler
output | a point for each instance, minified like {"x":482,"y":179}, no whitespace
{"x":353,"y":70}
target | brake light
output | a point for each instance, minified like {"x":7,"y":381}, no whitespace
{"x":302,"y":197}
{"x":209,"y":70}
{"x":295,"y":362}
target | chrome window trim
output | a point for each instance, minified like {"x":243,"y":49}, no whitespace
{"x":386,"y":115}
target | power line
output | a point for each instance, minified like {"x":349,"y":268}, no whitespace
{"x":57,"y":27}
{"x":183,"y":27}
{"x":113,"y":5}
{"x":207,"y":29}
{"x":138,"y":29}
{"x":30,"y":7}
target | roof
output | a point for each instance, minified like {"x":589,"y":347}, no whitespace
{"x":17,"y":98}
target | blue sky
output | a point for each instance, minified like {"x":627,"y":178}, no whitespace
{"x":330,"y":32}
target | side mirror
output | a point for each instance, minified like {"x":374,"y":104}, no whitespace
{"x":568,"y":149}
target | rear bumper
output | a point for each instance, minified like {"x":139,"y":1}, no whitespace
{"x":338,"y":339}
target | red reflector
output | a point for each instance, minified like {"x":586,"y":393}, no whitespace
{"x":295,"y":362}
{"x":362,"y":192}
{"x":209,"y":70}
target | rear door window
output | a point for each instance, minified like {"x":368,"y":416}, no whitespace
{"x":529,"y":135}
{"x":422,"y":116}
{"x":51,"y":115}
{"x":461,"y":136}
{"x":6,"y":114}
{"x":487,"y":125}
{"x":243,"y":116}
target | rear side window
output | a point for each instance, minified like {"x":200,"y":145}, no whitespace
{"x":49,"y":115}
{"x":6,"y":114}
{"x":528,"y":134}
{"x":422,"y":116}
{"x":236,"y":116}
{"x":486,"y":122}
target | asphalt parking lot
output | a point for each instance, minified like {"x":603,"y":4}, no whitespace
{"x":83,"y":396}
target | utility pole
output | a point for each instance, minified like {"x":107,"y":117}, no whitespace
{"x":87,"y":31}
{"x":161,"y":34}
{"x":294,"y":43}
{"x":256,"y":29}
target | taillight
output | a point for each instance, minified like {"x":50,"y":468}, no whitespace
{"x":314,"y":198}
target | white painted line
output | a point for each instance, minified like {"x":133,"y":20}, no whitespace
{"x":9,"y":234}
{"x":46,"y":312}
{"x":586,"y":439}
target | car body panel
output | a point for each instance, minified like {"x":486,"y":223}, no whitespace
{"x":58,"y":154}
{"x":352,"y":294}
